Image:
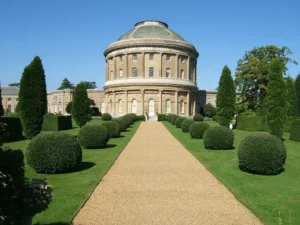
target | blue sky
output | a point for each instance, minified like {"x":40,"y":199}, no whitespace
{"x":70,"y":36}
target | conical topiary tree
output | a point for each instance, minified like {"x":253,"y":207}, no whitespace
{"x":276,"y":99}
{"x":226,"y":97}
{"x":32,"y":104}
{"x":81,"y":111}
{"x":291,"y":97}
{"x":1,"y":106}
{"x":297,"y":88}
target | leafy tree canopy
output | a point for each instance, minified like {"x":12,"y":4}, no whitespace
{"x":90,"y":85}
{"x":252,"y":73}
{"x":291,"y":96}
{"x":14,"y":85}
{"x":66,"y":84}
{"x":297,"y":87}
{"x":1,"y":106}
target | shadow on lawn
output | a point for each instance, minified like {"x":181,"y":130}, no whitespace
{"x":121,"y":136}
{"x":58,"y":223}
{"x":83,"y":166}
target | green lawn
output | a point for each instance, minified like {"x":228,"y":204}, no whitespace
{"x":271,"y":198}
{"x":71,"y":190}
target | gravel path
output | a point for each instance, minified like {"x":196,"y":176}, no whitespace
{"x":156,"y":180}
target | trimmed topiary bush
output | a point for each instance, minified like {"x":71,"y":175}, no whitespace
{"x":198,"y":117}
{"x":113,"y":128}
{"x":141,"y":118}
{"x":92,"y":137}
{"x":13,"y":128}
{"x":262,"y":154}
{"x":56,"y":122}
{"x":174,"y":118}
{"x":185,"y":125}
{"x":295,"y":131}
{"x":197,"y":129}
{"x":178,"y":121}
{"x":162,"y":117}
{"x":218,"y":138}
{"x":106,"y":117}
{"x":121,"y":122}
{"x":53,"y":153}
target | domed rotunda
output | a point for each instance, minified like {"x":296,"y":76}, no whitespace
{"x":149,"y":70}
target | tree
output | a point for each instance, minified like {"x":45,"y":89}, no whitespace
{"x":90,"y":85}
{"x":209,"y":110}
{"x":1,"y":105}
{"x":276,"y":98}
{"x":80,"y":108}
{"x":66,"y":84}
{"x":226,"y":95}
{"x":291,"y":97}
{"x":14,"y":85}
{"x":297,"y":87}
{"x":252,"y":74}
{"x":69,"y":105}
{"x":32,"y":104}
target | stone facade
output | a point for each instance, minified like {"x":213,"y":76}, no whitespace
{"x":9,"y":98}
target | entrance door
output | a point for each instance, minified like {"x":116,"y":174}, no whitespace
{"x":151,"y":107}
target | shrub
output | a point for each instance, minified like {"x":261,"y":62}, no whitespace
{"x":224,"y":122}
{"x":162,"y":117}
{"x":170,"y":116}
{"x":295,"y":131}
{"x":174,"y":118}
{"x":113,"y":128}
{"x":106,"y":117}
{"x":13,"y":128}
{"x":218,"y":138}
{"x":121,"y":122}
{"x":95,"y":111}
{"x":178,"y":121}
{"x":198,"y":117}
{"x":141,"y":118}
{"x":209,"y":110}
{"x":185,"y":125}
{"x":261,"y":154}
{"x":92,"y":137}
{"x":56,"y":122}
{"x":53,"y":153}
{"x":197,"y":129}
{"x":69,"y":107}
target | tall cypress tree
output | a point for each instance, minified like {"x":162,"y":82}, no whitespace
{"x":32,"y":104}
{"x":297,"y":88}
{"x":1,"y":106}
{"x":291,"y":97}
{"x":80,"y":108}
{"x":276,"y":99}
{"x":226,"y":97}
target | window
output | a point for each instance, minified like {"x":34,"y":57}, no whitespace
{"x":168,"y":72}
{"x":151,"y":71}
{"x":134,"y":72}
{"x":181,"y":106}
{"x":168,"y":106}
{"x":8,"y":108}
{"x":182,"y":74}
{"x":134,"y":106}
{"x":121,"y":73}
{"x":120,"y":59}
{"x":151,"y":56}
{"x":182,"y":60}
{"x":120,"y":106}
{"x":9,"y":99}
{"x":17,"y":99}
{"x":168,"y":58}
{"x":134,"y":57}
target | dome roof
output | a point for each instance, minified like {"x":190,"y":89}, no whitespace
{"x":151,"y":29}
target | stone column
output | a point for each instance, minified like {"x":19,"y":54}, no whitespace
{"x":115,"y":68}
{"x":113,"y":104}
{"x":188,"y":104}
{"x":160,"y":102}
{"x":142,"y":102}
{"x":143,"y":64}
{"x":160,"y":70}
{"x":188,"y":69}
{"x":106,"y":70}
{"x":126,"y":102}
{"x":106,"y":102}
{"x":126,"y":66}
{"x":176,"y":67}
{"x":195,"y":105}
{"x":176,"y":102}
{"x":195,"y":78}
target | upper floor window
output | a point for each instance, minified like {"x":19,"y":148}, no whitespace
{"x":134,"y":57}
{"x":168,"y":106}
{"x":182,"y":60}
{"x":134,"y":72}
{"x":168,"y":58}
{"x":17,"y":99}
{"x":120,"y":59}
{"x":9,"y":99}
{"x":182,"y":74}
{"x":121,"y":73}
{"x":151,"y":56}
{"x":168,"y":72}
{"x":151,"y":71}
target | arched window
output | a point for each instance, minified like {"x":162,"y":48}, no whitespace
{"x":134,"y":72}
{"x":121,"y":73}
{"x":134,"y":106}
{"x":120,"y":106}
{"x":182,"y":74}
{"x":168,"y":73}
{"x":168,"y":106}
{"x":181,"y":106}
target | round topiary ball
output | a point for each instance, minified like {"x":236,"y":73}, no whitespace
{"x":178,"y":121}
{"x":262,"y":154}
{"x":113,"y":128}
{"x":53,"y":153}
{"x":218,"y":138}
{"x":198,"y":117}
{"x":95,"y":136}
{"x":170,"y":118}
{"x":174,"y":118}
{"x":185,"y":125}
{"x":106,"y":117}
{"x":197,"y":129}
{"x":121,"y":122}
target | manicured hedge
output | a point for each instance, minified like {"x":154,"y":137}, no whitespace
{"x":141,"y":118}
{"x":92,"y":137}
{"x":185,"y":125}
{"x":262,"y":154}
{"x":198,"y":117}
{"x":106,"y":117}
{"x":121,"y":122}
{"x":197,"y":129}
{"x":179,"y":121}
{"x":224,"y":122}
{"x":113,"y":128}
{"x":56,"y":122}
{"x":174,"y":118}
{"x":170,"y":116}
{"x":218,"y":138}
{"x":56,"y":152}
{"x":295,"y":131}
{"x":162,"y":117}
{"x":14,"y":128}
